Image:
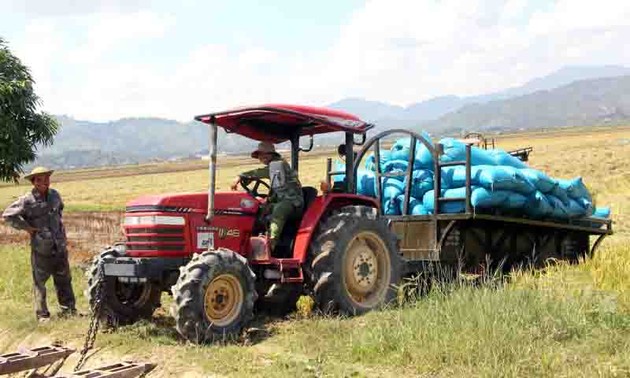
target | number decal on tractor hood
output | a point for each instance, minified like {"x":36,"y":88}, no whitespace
{"x":222,"y":232}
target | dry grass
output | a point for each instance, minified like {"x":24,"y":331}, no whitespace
{"x":88,"y":233}
{"x":110,"y":190}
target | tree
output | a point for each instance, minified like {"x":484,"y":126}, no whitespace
{"x":22,"y":128}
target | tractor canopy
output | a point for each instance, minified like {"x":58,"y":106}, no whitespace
{"x":277,"y":123}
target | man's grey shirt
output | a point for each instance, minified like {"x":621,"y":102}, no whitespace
{"x":43,"y":213}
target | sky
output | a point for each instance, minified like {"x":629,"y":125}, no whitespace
{"x":104,"y":60}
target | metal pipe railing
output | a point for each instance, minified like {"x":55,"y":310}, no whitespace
{"x":212,"y":170}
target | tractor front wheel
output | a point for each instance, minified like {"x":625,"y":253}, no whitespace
{"x":122,"y":302}
{"x":214,"y":296}
{"x":354,"y":262}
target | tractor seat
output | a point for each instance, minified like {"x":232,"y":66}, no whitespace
{"x":284,"y":248}
{"x":309,"y":194}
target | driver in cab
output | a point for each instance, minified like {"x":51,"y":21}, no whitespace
{"x":285,"y":199}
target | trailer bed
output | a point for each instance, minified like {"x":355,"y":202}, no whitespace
{"x":472,"y":237}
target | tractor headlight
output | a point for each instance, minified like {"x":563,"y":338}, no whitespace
{"x":154,"y":220}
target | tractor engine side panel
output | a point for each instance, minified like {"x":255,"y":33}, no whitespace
{"x":231,"y":230}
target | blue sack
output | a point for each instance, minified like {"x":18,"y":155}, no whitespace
{"x":539,"y":179}
{"x":501,"y":157}
{"x":560,"y":194}
{"x":415,"y":206}
{"x":455,"y":150}
{"x":480,"y":198}
{"x":510,"y":179}
{"x":559,"y":209}
{"x":339,"y":166}
{"x":445,"y":207}
{"x":575,"y":189}
{"x":576,"y":210}
{"x":602,"y":212}
{"x":419,"y":209}
{"x":423,"y":159}
{"x":487,"y":176}
{"x":391,"y":206}
{"x":399,"y":166}
{"x":412,"y":202}
{"x":538,"y":206}
{"x":392,"y":187}
{"x":366,"y":183}
{"x":421,"y":182}
{"x":370,"y":160}
{"x":395,"y":166}
{"x":587,"y":205}
{"x":484,"y":198}
{"x":514,"y":201}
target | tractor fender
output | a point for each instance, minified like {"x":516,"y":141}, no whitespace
{"x":316,"y":212}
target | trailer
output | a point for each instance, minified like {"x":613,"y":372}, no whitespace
{"x":473,"y":238}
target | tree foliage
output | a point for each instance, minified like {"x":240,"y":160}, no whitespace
{"x":22,"y":127}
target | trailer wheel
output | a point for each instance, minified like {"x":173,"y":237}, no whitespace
{"x":214,"y":296}
{"x":354,"y":262}
{"x":123,"y":303}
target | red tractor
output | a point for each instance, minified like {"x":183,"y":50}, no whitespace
{"x":209,"y":250}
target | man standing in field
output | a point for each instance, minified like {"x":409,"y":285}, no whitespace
{"x":286,"y":190}
{"x":39,"y":212}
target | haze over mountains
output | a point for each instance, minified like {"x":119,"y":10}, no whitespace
{"x":437,"y":107}
{"x":571,"y":96}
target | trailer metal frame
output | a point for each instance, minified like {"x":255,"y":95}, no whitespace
{"x":474,"y":236}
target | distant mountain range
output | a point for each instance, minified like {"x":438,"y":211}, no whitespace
{"x":581,"y":103}
{"x":434,"y":108}
{"x":571,"y":96}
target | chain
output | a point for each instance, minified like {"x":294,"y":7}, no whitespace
{"x":90,"y":337}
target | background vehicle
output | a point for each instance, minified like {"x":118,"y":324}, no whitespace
{"x":210,"y":252}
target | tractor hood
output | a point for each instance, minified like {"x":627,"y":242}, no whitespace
{"x":225,"y":202}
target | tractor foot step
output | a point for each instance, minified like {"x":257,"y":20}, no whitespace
{"x":291,"y":271}
{"x":34,"y":358}
{"x":119,"y":370}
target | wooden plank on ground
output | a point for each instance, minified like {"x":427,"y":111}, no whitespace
{"x":32,"y":358}
{"x":118,"y":370}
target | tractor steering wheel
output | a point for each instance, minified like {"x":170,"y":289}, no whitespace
{"x":251,"y":185}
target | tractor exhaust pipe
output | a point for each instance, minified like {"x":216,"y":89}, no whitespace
{"x":212,"y":169}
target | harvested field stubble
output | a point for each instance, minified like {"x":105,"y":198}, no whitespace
{"x":88,"y":233}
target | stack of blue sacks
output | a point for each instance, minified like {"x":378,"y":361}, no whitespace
{"x":500,"y":183}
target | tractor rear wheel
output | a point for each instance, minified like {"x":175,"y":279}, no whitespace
{"x":354,"y":262}
{"x":123,"y":302}
{"x":214,"y":296}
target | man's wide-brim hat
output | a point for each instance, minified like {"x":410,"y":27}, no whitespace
{"x":264,"y":148}
{"x":37,"y":171}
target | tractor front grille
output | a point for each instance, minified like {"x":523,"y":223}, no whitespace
{"x":155,"y":238}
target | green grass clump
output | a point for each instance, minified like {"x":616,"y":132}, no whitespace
{"x":16,"y":289}
{"x":541,"y":323}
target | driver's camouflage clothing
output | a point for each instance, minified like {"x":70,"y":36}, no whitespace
{"x":285,"y":199}
{"x":49,"y":255}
